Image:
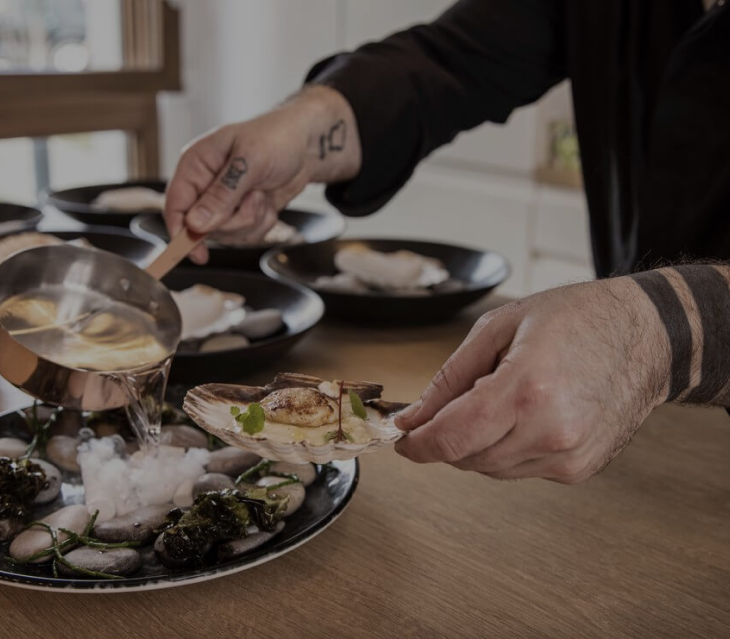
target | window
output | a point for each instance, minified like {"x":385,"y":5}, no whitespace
{"x":79,"y":80}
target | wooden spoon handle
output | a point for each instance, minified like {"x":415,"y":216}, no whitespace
{"x":177,"y":250}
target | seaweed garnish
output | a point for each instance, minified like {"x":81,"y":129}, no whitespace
{"x":219,"y":516}
{"x":20,"y":483}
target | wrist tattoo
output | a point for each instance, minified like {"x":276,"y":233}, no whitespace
{"x":711,"y":294}
{"x":662,"y":294}
{"x":712,"y":297}
{"x":334,"y":140}
{"x":236,"y":170}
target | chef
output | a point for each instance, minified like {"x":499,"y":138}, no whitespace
{"x":553,"y":385}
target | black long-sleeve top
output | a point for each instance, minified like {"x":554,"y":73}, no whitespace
{"x":651,"y":91}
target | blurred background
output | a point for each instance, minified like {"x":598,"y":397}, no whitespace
{"x":105,"y":90}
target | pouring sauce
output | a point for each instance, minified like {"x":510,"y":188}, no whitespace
{"x":89,"y":331}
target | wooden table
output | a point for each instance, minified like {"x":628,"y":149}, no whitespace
{"x":428,"y":551}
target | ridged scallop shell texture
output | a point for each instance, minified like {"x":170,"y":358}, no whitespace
{"x":302,"y":413}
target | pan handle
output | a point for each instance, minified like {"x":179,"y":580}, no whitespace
{"x":177,"y":250}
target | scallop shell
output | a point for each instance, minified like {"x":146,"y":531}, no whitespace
{"x":209,"y":406}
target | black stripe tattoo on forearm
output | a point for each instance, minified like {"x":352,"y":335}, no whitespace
{"x":662,"y":294}
{"x":712,"y":296}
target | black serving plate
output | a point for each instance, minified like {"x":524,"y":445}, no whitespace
{"x":326,"y":499}
{"x":302,"y":309}
{"x":16,"y":218}
{"x":76,"y":202}
{"x":314,"y":227}
{"x":479,"y":271}
{"x":118,"y":241}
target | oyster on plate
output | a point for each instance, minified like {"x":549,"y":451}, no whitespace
{"x":364,"y":270}
{"x":206,"y":311}
{"x":297,"y":418}
{"x":130,"y":199}
{"x":13,"y":244}
{"x":23,"y":241}
{"x":280,"y":233}
{"x":398,"y":270}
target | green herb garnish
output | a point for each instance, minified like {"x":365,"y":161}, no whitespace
{"x":74,"y":539}
{"x":260,"y":469}
{"x":330,"y":436}
{"x":357,"y":406}
{"x":252,"y":419}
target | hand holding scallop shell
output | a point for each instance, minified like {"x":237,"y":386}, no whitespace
{"x":297,"y":418}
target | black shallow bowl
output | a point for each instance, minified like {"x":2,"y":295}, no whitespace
{"x":76,"y":202}
{"x":118,"y":241}
{"x":302,"y":309}
{"x":480,"y":271}
{"x":315,"y":227}
{"x":16,"y":218}
{"x":325,"y":501}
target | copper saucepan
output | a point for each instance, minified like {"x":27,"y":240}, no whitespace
{"x":98,"y":272}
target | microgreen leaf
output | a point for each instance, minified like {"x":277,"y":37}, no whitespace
{"x":235,"y":411}
{"x":357,"y":406}
{"x":252,"y":420}
{"x":330,"y":436}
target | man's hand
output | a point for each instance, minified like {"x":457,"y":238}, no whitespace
{"x":553,"y":386}
{"x":240,"y":176}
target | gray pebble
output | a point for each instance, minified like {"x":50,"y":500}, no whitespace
{"x":238,"y":547}
{"x":114,"y":561}
{"x":296,"y":493}
{"x":53,"y":477}
{"x":9,"y":528}
{"x":33,"y":540}
{"x":137,"y":526}
{"x":231,"y":461}
{"x":183,"y":497}
{"x":184,"y":436}
{"x":13,"y":447}
{"x":62,"y":451}
{"x":261,"y":324}
{"x":212,"y":482}
{"x":307,"y":473}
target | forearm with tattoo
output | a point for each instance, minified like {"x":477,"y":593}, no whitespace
{"x":335,"y":154}
{"x":693,"y":304}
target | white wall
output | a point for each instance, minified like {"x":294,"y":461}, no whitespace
{"x":243,"y":56}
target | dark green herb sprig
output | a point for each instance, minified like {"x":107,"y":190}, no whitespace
{"x":263,"y":469}
{"x":257,"y":470}
{"x":74,"y":539}
{"x":41,"y":430}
